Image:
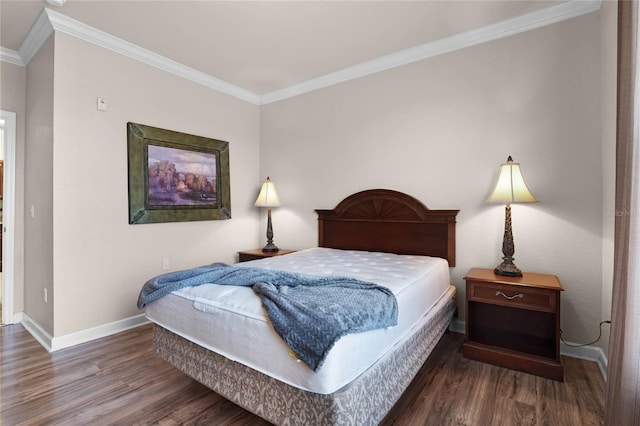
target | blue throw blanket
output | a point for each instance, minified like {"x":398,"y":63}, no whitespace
{"x":309,"y":312}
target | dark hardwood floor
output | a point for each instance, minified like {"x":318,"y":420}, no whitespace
{"x":118,"y":381}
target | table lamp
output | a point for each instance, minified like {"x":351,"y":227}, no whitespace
{"x":268,"y":198}
{"x":510,"y":188}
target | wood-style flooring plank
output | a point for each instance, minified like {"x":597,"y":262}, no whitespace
{"x":452,"y":390}
{"x":117,"y":380}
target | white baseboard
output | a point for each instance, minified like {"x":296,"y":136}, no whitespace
{"x":56,"y":343}
{"x":37,"y":332}
{"x":17,"y":318}
{"x":457,"y":326}
{"x":590,"y":353}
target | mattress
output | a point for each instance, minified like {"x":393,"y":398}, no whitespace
{"x":231,"y":321}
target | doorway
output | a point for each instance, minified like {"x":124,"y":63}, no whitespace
{"x":7,"y":214}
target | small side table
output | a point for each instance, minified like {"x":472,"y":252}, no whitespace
{"x":514,"y":322}
{"x":247,"y":255}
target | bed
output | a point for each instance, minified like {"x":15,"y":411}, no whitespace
{"x":226,"y":342}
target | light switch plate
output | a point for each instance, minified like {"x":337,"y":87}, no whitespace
{"x":102,"y":104}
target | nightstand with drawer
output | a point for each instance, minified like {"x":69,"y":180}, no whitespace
{"x":247,"y":255}
{"x":514,"y":322}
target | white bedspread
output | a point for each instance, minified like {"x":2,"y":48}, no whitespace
{"x":232,"y":322}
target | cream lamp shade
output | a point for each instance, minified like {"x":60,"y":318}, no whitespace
{"x":510,"y":187}
{"x":268,"y":196}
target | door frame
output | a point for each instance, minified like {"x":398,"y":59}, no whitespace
{"x":8,"y":217}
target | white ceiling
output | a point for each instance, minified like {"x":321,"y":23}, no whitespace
{"x":266,"y":46}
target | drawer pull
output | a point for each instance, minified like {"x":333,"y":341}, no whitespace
{"x":499,"y":293}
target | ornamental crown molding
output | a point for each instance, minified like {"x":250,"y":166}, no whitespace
{"x":10,"y":56}
{"x":506,"y":28}
{"x":50,"y":21}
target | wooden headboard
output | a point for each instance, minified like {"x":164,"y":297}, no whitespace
{"x":388,"y":221}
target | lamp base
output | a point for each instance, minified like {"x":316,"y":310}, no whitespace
{"x":270,"y":248}
{"x":507,"y":269}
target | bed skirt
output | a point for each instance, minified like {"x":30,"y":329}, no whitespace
{"x":363,"y":402}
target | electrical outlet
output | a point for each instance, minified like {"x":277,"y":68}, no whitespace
{"x":45,"y":296}
{"x":165,"y":264}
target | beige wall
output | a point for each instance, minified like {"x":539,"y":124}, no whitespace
{"x":438,"y":130}
{"x":38,"y":188}
{"x":609,"y":40}
{"x":13,"y":87}
{"x":100,"y":261}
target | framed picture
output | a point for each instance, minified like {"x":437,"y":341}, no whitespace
{"x":176,"y":177}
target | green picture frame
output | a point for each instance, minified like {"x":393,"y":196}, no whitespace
{"x":176,"y":177}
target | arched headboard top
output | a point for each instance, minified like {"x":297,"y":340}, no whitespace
{"x":388,"y":221}
{"x":386,"y":204}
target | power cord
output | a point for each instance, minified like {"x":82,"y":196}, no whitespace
{"x":585,"y":344}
